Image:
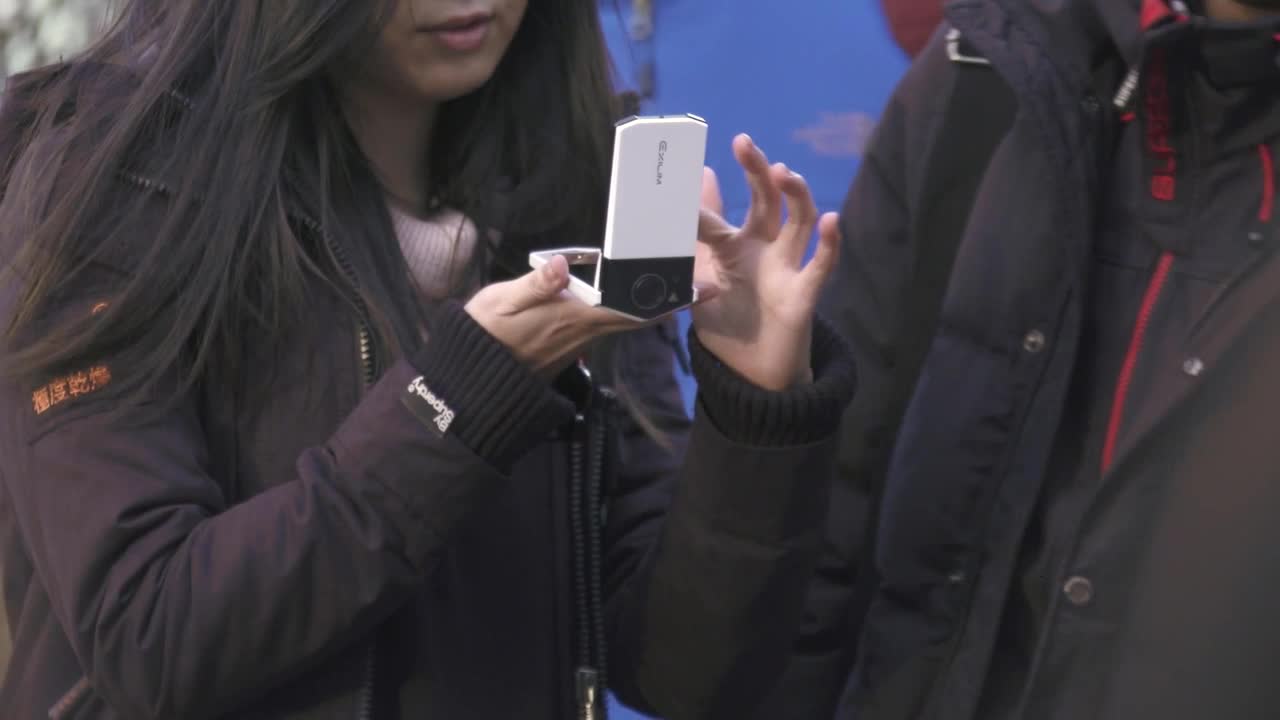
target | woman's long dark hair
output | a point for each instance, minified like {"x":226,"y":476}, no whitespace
{"x":228,"y":104}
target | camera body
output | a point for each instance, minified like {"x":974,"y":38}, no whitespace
{"x":644,"y":269}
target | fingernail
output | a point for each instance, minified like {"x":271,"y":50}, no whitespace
{"x":750,"y":142}
{"x":706,"y":290}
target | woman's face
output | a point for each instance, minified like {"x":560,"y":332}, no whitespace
{"x":437,"y":50}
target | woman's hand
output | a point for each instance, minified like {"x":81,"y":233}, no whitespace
{"x":760,"y":320}
{"x":539,"y":322}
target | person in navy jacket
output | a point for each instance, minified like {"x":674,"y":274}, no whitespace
{"x":1059,"y":479}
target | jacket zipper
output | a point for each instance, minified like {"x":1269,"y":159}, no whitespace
{"x":1149,"y":300}
{"x":596,"y":509}
{"x":583,"y":675}
{"x":586,"y":522}
{"x":368,"y":374}
{"x":368,"y":359}
{"x":1159,"y":108}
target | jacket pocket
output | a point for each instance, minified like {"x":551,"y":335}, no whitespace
{"x":75,"y":698}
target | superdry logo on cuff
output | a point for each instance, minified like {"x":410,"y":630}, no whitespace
{"x":429,"y":408}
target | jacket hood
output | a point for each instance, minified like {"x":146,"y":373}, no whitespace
{"x":1081,"y":34}
{"x":1070,"y":35}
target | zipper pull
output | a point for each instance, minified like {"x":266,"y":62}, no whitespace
{"x":588,"y":701}
{"x":1125,"y":94}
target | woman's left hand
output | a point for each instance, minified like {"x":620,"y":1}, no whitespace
{"x":759,"y":317}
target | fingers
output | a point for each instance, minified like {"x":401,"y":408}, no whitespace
{"x":711,"y":197}
{"x":705,"y":292}
{"x":546,"y":287}
{"x":825,"y":257}
{"x":601,"y":321}
{"x":802,"y":214}
{"x":713,"y":230}
{"x":764,"y":216}
{"x":539,"y":286}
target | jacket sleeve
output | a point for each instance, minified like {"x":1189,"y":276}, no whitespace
{"x":709,"y":557}
{"x":866,"y":301}
{"x":179,"y":604}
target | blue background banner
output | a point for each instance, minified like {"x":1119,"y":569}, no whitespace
{"x":806,"y":79}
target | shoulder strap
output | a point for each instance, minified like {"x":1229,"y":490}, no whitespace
{"x":979,"y":113}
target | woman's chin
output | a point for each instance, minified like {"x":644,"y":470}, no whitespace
{"x":454,"y":82}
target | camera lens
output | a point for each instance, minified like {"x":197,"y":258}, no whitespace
{"x":648,"y":292}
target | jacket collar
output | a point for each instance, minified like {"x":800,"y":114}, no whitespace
{"x":1074,"y":36}
{"x":1033,"y":41}
{"x":1231,"y":52}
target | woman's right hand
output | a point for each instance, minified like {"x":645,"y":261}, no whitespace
{"x":539,"y":322}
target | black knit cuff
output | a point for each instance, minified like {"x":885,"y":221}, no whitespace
{"x":498,"y":407}
{"x":751,"y":415}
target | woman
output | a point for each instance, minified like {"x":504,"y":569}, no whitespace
{"x":260,"y":460}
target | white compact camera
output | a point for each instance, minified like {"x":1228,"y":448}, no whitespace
{"x":645,"y":269}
